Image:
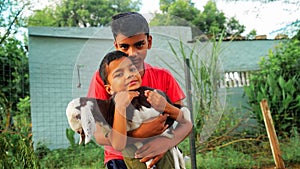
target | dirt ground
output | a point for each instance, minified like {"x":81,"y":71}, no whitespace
{"x":287,"y":166}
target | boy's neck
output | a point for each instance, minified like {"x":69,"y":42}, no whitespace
{"x":142,"y":72}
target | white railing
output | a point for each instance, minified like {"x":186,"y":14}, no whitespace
{"x":235,"y":79}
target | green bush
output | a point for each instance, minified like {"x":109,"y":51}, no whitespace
{"x":16,"y":149}
{"x":278,"y":82}
{"x":291,"y":149}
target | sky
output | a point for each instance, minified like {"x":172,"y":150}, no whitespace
{"x":267,"y":19}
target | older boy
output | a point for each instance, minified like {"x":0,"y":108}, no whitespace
{"x":131,"y":34}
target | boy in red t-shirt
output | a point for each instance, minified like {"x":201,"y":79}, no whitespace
{"x":131,"y":34}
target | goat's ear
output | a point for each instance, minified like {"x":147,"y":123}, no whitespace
{"x":73,"y":114}
{"x":82,"y":135}
{"x":88,"y":121}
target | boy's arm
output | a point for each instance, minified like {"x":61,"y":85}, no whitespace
{"x":151,"y":128}
{"x":118,"y":135}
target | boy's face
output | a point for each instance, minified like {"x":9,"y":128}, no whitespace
{"x":135,"y":46}
{"x":122,"y":75}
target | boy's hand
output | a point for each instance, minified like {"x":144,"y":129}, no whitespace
{"x":155,"y":149}
{"x":157,"y":101}
{"x":123,"y":98}
{"x":155,"y":159}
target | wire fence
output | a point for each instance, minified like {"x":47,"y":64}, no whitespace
{"x":50,"y":91}
{"x":9,"y":84}
{"x":52,"y":86}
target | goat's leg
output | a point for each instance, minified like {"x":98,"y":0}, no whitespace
{"x":178,"y":158}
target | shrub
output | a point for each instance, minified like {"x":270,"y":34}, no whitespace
{"x":278,"y":82}
{"x":16,"y":148}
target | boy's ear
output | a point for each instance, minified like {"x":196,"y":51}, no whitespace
{"x":115,"y":44}
{"x":108,"y":89}
{"x":149,"y":41}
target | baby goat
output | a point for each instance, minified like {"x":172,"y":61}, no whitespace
{"x":83,"y":113}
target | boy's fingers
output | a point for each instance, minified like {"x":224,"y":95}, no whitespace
{"x":133,"y":94}
{"x":155,"y":160}
{"x":163,"y":117}
{"x":146,"y":93}
{"x":145,"y":159}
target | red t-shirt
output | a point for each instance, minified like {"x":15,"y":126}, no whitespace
{"x":154,"y":77}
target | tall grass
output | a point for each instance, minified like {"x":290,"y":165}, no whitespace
{"x":206,"y":73}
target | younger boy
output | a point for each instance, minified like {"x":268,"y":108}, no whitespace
{"x":121,"y":78}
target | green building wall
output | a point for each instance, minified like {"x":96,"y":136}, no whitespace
{"x":61,"y":64}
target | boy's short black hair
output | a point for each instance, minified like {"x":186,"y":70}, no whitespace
{"x":109,"y":57}
{"x":129,"y":24}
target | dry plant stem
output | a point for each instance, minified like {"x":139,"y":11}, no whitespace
{"x":217,"y":141}
{"x":8,"y":116}
{"x":229,"y":143}
{"x":240,"y":140}
{"x":225,"y":134}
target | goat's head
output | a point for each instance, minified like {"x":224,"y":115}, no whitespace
{"x":80,"y":118}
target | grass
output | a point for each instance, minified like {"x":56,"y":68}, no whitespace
{"x":246,"y":154}
{"x":78,"y":156}
{"x":254,"y":156}
{"x":242,"y":155}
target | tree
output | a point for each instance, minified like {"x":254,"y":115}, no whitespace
{"x":297,"y":36}
{"x":11,"y":17}
{"x":210,"y":21}
{"x":82,"y":13}
{"x":179,"y":13}
{"x":251,"y":35}
{"x":14,"y":77}
{"x":183,"y":9}
{"x":233,"y":27}
{"x":165,"y":4}
{"x":44,"y":17}
{"x":297,"y":25}
{"x":13,"y":60}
